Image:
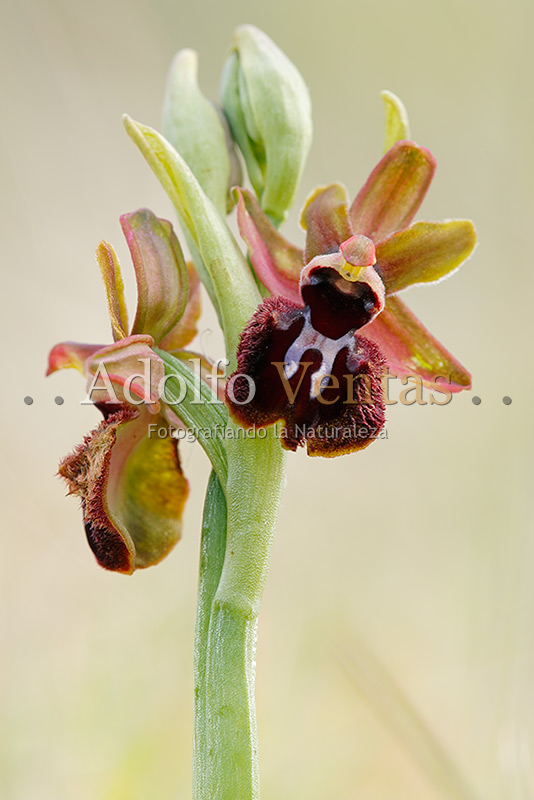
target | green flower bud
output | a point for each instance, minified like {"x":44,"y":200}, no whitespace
{"x":268,"y":106}
{"x":199,"y":131}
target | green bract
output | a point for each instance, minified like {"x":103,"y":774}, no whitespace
{"x":198,"y":130}
{"x":268,"y":106}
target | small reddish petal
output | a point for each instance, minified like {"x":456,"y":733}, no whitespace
{"x":393,"y":192}
{"x":277,"y":263}
{"x":411,"y":350}
{"x":359,"y":251}
{"x":71,"y":355}
{"x":325,"y":219}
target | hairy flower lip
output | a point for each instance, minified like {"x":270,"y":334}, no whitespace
{"x":86,"y":471}
{"x":306,"y":380}
{"x":127,"y":530}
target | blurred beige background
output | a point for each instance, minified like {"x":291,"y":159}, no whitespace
{"x":396,"y":647}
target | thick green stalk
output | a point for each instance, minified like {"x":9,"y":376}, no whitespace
{"x":212,"y":549}
{"x":226,"y":747}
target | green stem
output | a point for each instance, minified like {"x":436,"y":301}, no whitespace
{"x":212,"y":549}
{"x":226,"y":748}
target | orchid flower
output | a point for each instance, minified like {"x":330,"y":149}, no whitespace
{"x":130,"y":482}
{"x":347,"y":278}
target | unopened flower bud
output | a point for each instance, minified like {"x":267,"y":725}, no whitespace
{"x":198,"y":130}
{"x":268,"y":106}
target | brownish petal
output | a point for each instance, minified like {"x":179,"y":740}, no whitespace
{"x":160,"y":272}
{"x":325,"y":219}
{"x":393,"y":192}
{"x":127,"y":370}
{"x":412,"y":350}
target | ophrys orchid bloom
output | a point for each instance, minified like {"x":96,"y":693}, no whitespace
{"x":356,"y":260}
{"x":130,"y":480}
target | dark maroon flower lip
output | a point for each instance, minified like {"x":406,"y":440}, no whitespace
{"x":307,"y":380}
{"x":342,"y":295}
{"x":338,"y":306}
